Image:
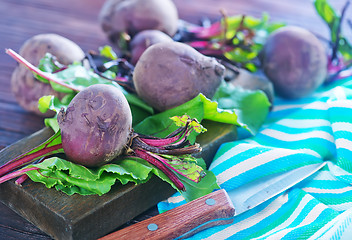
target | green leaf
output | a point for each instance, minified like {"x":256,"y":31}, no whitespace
{"x":261,"y":29}
{"x":183,"y":120}
{"x":44,"y":103}
{"x":108,"y":52}
{"x":345,"y":48}
{"x":52,"y":123}
{"x":328,"y":14}
{"x":161,"y":124}
{"x":195,"y":190}
{"x":185,"y":165}
{"x":47,"y":63}
{"x":236,"y":105}
{"x":53,"y":103}
{"x":73,"y":178}
{"x":231,"y":105}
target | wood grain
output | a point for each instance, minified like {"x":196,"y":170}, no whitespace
{"x":179,"y":221}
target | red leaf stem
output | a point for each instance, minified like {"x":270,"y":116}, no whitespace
{"x":208,"y":32}
{"x":160,"y":142}
{"x":36,"y":70}
{"x":21,"y":179}
{"x":19,"y":162}
{"x":164,"y":161}
{"x":24,"y":177}
{"x":152,"y":160}
{"x":16,"y":174}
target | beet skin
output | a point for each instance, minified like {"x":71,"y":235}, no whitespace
{"x":295,"y":61}
{"x":169,"y":74}
{"x":96,"y":126}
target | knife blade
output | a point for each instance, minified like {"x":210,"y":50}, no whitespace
{"x":217,"y":208}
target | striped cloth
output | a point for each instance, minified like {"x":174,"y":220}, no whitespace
{"x":300,"y":132}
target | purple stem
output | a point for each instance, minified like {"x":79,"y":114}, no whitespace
{"x":12,"y":165}
{"x":21,"y":180}
{"x":149,"y":158}
{"x":164,"y":161}
{"x":160,"y":142}
{"x":164,"y":142}
{"x":37,"y":71}
{"x":199,"y":44}
{"x":24,"y":177}
{"x":214,"y":30}
{"x":16,"y":174}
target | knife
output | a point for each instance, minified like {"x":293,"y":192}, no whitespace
{"x":216,"y":208}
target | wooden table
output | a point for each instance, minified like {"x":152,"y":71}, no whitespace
{"x":77,"y":20}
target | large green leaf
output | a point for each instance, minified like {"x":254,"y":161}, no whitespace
{"x":231,"y":105}
{"x":73,"y":178}
{"x":242,"y":107}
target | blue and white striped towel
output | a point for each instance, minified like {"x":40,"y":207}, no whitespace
{"x":300,"y":132}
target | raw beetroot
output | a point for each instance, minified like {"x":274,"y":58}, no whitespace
{"x":96,"y":126}
{"x":145,"y":39}
{"x":295,"y":61}
{"x":121,"y":19}
{"x":171,"y":73}
{"x":24,"y":86}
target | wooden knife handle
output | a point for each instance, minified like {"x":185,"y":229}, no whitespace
{"x":202,"y":212}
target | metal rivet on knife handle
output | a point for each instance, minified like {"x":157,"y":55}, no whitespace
{"x":210,"y":201}
{"x":152,"y":227}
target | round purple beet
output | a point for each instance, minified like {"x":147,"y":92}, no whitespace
{"x":96,"y":125}
{"x":295,"y":61}
{"x":169,"y":74}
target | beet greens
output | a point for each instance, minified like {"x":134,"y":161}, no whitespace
{"x":234,"y":39}
{"x":340,"y":55}
{"x":99,"y":129}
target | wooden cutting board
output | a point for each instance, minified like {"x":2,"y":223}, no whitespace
{"x":89,"y":217}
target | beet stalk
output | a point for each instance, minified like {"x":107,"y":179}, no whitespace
{"x":123,"y":74}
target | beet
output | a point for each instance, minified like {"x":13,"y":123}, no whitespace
{"x":26,"y":89}
{"x":171,"y":73}
{"x":96,"y":125}
{"x":145,"y":39}
{"x":118,"y":17}
{"x":295,"y":61}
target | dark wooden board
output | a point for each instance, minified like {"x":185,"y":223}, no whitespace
{"x":87,"y":217}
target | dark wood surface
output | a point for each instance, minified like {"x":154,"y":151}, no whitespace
{"x":77,"y":20}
